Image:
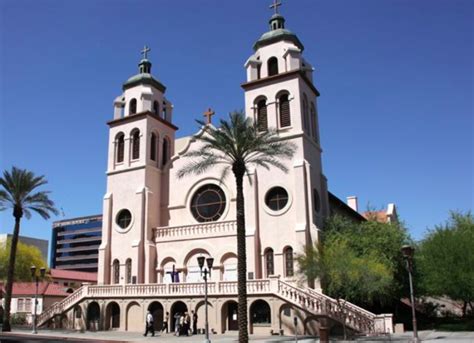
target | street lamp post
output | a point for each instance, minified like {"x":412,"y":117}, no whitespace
{"x":408,"y":252}
{"x":204,"y":273}
{"x":36,"y":278}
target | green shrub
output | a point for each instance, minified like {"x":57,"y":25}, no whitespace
{"x":18,"y":319}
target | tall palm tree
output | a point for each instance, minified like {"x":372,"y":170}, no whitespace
{"x":236,"y":145}
{"x":19,"y":192}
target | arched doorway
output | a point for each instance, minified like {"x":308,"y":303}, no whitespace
{"x":229,"y":316}
{"x":156,"y":310}
{"x":200,"y":310}
{"x":93,"y":316}
{"x":178,"y":307}
{"x":260,"y":316}
{"x":311,"y":326}
{"x":135,"y":317}
{"x":112,"y":316}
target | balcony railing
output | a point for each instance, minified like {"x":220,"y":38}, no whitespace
{"x":195,"y":231}
{"x":306,"y":299}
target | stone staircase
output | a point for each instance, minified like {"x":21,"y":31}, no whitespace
{"x":306,"y":299}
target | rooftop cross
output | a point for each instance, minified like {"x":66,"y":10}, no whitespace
{"x":208,"y":114}
{"x":275,"y":5}
{"x":145,"y":51}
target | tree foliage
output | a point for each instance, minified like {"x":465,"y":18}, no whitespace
{"x":445,"y":259}
{"x":19,"y":192}
{"x":379,"y":241}
{"x":26,"y":256}
{"x":346,"y":274}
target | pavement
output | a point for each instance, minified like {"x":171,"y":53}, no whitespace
{"x":56,"y":336}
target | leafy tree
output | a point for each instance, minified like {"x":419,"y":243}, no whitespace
{"x":236,"y":145}
{"x":26,"y":256}
{"x":445,"y":260}
{"x":344,"y":273}
{"x":19,"y":192}
{"x":382,"y":240}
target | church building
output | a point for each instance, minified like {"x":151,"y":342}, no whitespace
{"x":156,"y":225}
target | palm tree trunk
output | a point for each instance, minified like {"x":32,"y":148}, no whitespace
{"x":11,"y":269}
{"x":241,"y":259}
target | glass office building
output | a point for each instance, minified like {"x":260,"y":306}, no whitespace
{"x":75,"y":243}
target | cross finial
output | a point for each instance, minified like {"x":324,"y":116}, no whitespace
{"x":275,"y":5}
{"x":145,"y":52}
{"x":208,"y":114}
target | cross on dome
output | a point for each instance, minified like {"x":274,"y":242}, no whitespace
{"x":275,"y":5}
{"x":208,"y":114}
{"x":145,"y":51}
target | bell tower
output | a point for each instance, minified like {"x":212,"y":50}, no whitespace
{"x":141,"y":139}
{"x":280,"y":95}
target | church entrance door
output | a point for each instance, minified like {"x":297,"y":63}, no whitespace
{"x":156,"y":310}
{"x":178,"y":307}
{"x":232,"y":316}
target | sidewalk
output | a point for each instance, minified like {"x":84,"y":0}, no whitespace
{"x":120,"y":336}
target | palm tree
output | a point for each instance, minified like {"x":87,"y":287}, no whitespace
{"x":237,"y":145}
{"x":19,"y":193}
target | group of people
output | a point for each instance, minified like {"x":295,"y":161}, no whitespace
{"x":183,"y":326}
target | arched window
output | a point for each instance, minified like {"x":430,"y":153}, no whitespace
{"x":305,"y":113}
{"x":313,"y":121}
{"x":165,"y":155}
{"x":116,"y":270}
{"x":156,"y":108}
{"x":128,"y":270}
{"x":269,"y":263}
{"x":132,"y":106}
{"x":153,"y":147}
{"x":120,"y":147}
{"x":272,"y":65}
{"x":262,"y":122}
{"x":260,"y":312}
{"x":136,"y":144}
{"x":284,"y":109}
{"x":316,"y":200}
{"x":164,"y":110}
{"x":288,"y":254}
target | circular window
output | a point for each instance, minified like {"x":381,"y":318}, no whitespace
{"x":276,"y":198}
{"x":124,"y":217}
{"x":208,"y":203}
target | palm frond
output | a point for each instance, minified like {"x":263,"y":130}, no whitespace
{"x":237,"y":141}
{"x":19,"y":187}
{"x":198,"y":166}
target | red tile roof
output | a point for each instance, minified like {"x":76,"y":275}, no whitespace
{"x":378,"y":216}
{"x":73,"y":275}
{"x":44,"y":288}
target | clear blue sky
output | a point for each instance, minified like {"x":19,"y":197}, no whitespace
{"x":396,"y":83}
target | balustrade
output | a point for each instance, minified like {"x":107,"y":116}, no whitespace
{"x":195,"y":230}
{"x":307,"y":299}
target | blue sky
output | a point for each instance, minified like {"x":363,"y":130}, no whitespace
{"x":396,"y":83}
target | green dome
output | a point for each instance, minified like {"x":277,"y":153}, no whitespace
{"x":143,"y":79}
{"x":277,"y":35}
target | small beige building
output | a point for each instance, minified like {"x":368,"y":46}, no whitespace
{"x":156,"y":225}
